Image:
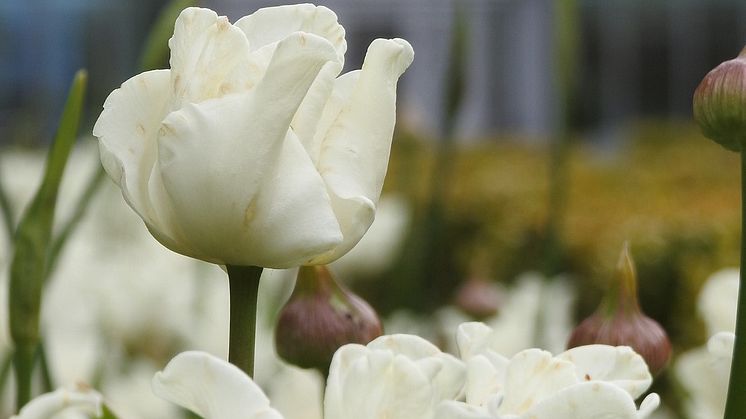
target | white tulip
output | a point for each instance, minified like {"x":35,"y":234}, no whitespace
{"x":704,"y":372}
{"x":396,"y":376}
{"x":250,"y":150}
{"x":77,"y":403}
{"x":584,"y":382}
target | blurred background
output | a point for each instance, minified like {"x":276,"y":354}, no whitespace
{"x":533,"y":136}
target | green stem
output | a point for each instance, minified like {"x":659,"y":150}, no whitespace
{"x":23,"y":362}
{"x":735,"y":405}
{"x":244,"y":287}
{"x":46,"y":374}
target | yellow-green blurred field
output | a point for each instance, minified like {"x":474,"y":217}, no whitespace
{"x":673,"y":194}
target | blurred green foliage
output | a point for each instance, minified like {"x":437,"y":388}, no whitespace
{"x":674,"y":196}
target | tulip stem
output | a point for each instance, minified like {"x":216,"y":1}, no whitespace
{"x":244,"y":287}
{"x":735,"y":405}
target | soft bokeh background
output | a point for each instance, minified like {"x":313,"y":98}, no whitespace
{"x":477,"y":187}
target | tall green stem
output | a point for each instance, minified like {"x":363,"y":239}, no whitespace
{"x":23,"y":362}
{"x":244,"y":287}
{"x":735,"y":405}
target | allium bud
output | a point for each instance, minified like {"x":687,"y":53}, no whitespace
{"x":619,"y":321}
{"x":478,"y":298}
{"x":720,"y":103}
{"x":320,"y":317}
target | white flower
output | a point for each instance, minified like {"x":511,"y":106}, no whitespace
{"x":250,"y":150}
{"x":77,"y":403}
{"x":717,"y":301}
{"x":704,"y":372}
{"x":394,"y":376}
{"x":397,"y":376}
{"x":584,"y":382}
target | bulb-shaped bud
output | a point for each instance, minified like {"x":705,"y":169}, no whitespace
{"x":321,"y":316}
{"x":720,"y":103}
{"x":479,"y":298}
{"x":620,"y":321}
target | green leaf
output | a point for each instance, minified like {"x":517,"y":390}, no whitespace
{"x":94,"y":183}
{"x":155,"y":50}
{"x":31,"y":241}
{"x":6,"y":211}
{"x":107,"y":413}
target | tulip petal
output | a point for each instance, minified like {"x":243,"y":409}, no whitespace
{"x":372,"y":384}
{"x":472,"y":339}
{"x":355,"y":149}
{"x":618,"y":365}
{"x":127,"y":131}
{"x":648,"y":405}
{"x":446,"y":373}
{"x":717,"y":301}
{"x":211,"y":388}
{"x":209,"y":58}
{"x":223,"y":162}
{"x":485,"y":378}
{"x":50,"y":404}
{"x":272,"y":24}
{"x":532,"y":376}
{"x":704,"y":377}
{"x":450,"y":409}
{"x":590,"y":400}
{"x":307,"y":120}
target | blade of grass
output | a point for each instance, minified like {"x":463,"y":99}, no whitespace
{"x":6,"y":211}
{"x":94,"y":183}
{"x":31,"y":244}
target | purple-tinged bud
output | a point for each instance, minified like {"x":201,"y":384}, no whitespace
{"x":479,"y":298}
{"x":619,"y":321}
{"x":720,"y":103}
{"x":320,"y":317}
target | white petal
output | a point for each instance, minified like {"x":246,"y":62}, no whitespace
{"x":212,"y":388}
{"x":355,"y":150}
{"x":225,"y":166}
{"x":127,"y":129}
{"x":718,"y":301}
{"x":47,"y":405}
{"x":618,"y":365}
{"x":272,"y":24}
{"x":446,"y":373}
{"x":485,"y":378}
{"x":373,"y":384}
{"x":472,"y":339}
{"x":590,"y":400}
{"x":704,"y":378}
{"x":648,"y":405}
{"x":532,"y":376}
{"x":209,"y":58}
{"x":721,"y":344}
{"x":450,"y":409}
{"x":307,"y":119}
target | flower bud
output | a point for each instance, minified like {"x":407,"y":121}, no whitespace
{"x":478,"y":298}
{"x":720,"y":103}
{"x":320,"y":317}
{"x":619,"y":321}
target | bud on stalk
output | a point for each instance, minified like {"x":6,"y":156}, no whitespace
{"x":720,"y":103}
{"x":619,"y":321}
{"x":320,"y":317}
